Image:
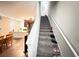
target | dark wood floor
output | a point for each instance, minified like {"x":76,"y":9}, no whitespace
{"x":16,"y":50}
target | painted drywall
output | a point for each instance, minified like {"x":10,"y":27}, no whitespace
{"x":44,"y":8}
{"x":33,"y":37}
{"x":65,"y":50}
{"x":4,"y":25}
{"x":66,"y":15}
{"x":18,"y":9}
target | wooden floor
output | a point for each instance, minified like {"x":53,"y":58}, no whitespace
{"x":17,"y":50}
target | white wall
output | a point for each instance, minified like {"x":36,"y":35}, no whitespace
{"x":44,"y":7}
{"x":66,"y":15}
{"x":33,"y":37}
{"x":12,"y":24}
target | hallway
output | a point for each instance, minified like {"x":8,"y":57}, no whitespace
{"x":47,"y":46}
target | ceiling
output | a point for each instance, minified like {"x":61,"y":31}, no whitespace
{"x":18,"y":9}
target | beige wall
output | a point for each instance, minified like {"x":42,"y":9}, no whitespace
{"x":4,"y":25}
{"x":18,"y":9}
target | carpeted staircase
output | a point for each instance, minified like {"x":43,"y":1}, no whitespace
{"x":47,"y":45}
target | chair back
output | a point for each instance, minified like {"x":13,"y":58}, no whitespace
{"x":1,"y":39}
{"x":9,"y":37}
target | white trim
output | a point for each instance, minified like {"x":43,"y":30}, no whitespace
{"x":74,"y":52}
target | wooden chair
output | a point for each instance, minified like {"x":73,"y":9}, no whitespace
{"x":9,"y":39}
{"x":1,"y":43}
